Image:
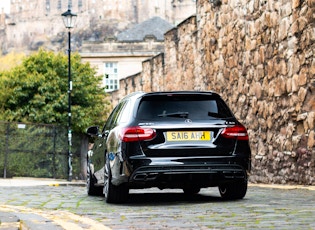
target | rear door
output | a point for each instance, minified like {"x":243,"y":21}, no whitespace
{"x":100,"y":144}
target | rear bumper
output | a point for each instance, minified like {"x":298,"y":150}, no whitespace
{"x":180,"y":173}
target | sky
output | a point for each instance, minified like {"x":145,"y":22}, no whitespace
{"x":5,"y":4}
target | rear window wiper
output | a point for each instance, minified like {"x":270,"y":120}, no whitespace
{"x":176,"y":114}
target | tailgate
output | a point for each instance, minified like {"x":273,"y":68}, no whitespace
{"x":180,"y":140}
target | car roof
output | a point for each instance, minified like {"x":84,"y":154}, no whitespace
{"x":182,"y":93}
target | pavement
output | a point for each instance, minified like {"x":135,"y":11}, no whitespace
{"x":27,"y":181}
{"x":10,"y":220}
{"x":12,"y":217}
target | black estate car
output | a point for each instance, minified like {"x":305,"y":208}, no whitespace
{"x":183,"y":139}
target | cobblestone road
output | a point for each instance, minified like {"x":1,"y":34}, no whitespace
{"x":68,"y":207}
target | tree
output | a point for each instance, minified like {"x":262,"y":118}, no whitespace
{"x":37,"y":91}
{"x":10,"y":60}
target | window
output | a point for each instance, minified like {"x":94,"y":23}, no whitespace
{"x":80,"y":4}
{"x":114,"y":117}
{"x":47,"y":5}
{"x":111,"y":76}
{"x":59,"y":5}
{"x":174,"y":107}
{"x":125,"y":113}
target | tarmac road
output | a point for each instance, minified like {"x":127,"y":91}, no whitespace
{"x":49,"y":204}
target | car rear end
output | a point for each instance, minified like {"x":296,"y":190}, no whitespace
{"x":186,"y":140}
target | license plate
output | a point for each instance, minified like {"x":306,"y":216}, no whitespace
{"x":188,"y":136}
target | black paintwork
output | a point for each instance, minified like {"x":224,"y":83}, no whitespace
{"x":169,"y":164}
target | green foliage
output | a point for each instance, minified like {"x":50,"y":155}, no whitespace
{"x":10,"y":60}
{"x":37,"y":150}
{"x":37,"y":91}
{"x":21,"y":164}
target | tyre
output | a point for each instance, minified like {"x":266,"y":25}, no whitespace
{"x":233,"y":190}
{"x":114,"y":194}
{"x":92,"y":190}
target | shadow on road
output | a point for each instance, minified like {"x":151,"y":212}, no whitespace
{"x":169,"y":198}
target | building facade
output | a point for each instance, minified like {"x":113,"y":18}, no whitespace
{"x":115,"y":60}
{"x":37,"y":23}
{"x":122,"y":56}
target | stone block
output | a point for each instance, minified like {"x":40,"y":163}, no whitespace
{"x":283,"y":29}
{"x":311,"y":140}
{"x":302,"y":79}
{"x":302,"y":94}
{"x":289,"y":85}
{"x":286,"y":9}
{"x":295,"y":4}
{"x":311,"y":120}
{"x":312,"y":68}
{"x":293,"y":65}
{"x":257,"y":90}
{"x":279,"y":87}
{"x":295,"y":83}
{"x":311,"y":3}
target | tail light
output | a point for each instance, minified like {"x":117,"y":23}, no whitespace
{"x":237,"y":132}
{"x":137,"y":133}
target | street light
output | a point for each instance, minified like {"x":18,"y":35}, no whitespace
{"x":69,"y":20}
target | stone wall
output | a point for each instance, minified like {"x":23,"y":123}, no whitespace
{"x":260,"y":56}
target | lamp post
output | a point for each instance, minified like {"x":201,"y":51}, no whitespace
{"x":69,"y":20}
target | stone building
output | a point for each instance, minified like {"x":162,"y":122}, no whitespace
{"x":122,"y":56}
{"x":37,"y":23}
{"x":260,"y":56}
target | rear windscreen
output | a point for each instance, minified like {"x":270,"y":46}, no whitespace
{"x":201,"y":107}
